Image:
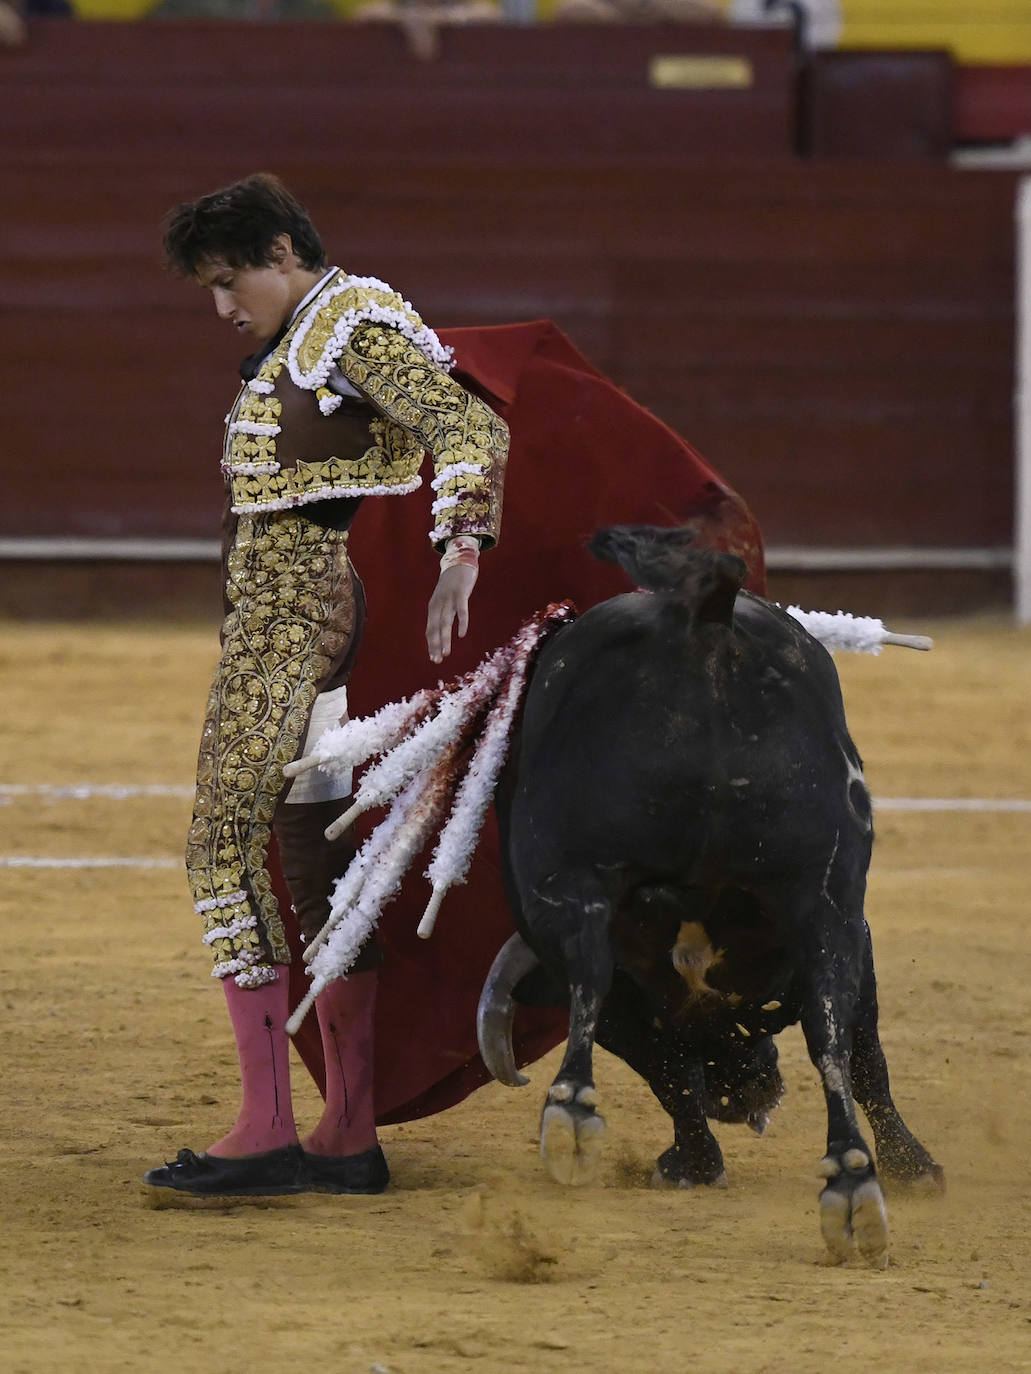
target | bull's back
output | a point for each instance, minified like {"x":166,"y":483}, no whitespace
{"x":647,"y":734}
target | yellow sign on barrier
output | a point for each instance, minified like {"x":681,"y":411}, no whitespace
{"x":683,"y":72}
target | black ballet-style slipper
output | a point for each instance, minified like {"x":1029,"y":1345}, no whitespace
{"x":362,"y":1173}
{"x":267,"y":1175}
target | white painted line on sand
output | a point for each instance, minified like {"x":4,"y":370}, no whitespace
{"x":127,"y":791}
{"x":950,"y":804}
{"x":37,"y":861}
{"x":983,"y":804}
{"x":84,"y":791}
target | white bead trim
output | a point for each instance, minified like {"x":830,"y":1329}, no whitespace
{"x":247,"y":959}
{"x":304,"y":498}
{"x":210,"y":903}
{"x":256,"y":977}
{"x":260,"y":388}
{"x":455,"y":470}
{"x":249,"y":972}
{"x":231,"y":931}
{"x":253,"y":427}
{"x":250,"y":469}
{"x":441,"y":532}
{"x":444,"y":503}
{"x":373,"y":284}
{"x":404,"y":320}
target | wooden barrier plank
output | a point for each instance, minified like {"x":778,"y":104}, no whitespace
{"x":831,"y":485}
{"x":813,"y":340}
{"x":355,"y":93}
{"x":822,"y":333}
{"x":786,"y":392}
{"x":992,"y":103}
{"x":196,"y":53}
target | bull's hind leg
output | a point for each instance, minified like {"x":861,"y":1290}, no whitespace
{"x":900,"y":1156}
{"x":852,"y":1212}
{"x":572,"y":935}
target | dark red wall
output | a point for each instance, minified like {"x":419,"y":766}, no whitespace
{"x":836,"y":337}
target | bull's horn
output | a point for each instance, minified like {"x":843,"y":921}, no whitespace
{"x":496,"y":1012}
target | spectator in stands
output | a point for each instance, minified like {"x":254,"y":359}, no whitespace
{"x":346,"y":391}
{"x":12,"y":30}
{"x":421,"y":21}
{"x":13,"y":33}
{"x":259,"y":10}
{"x":819,"y":20}
{"x":638,"y":12}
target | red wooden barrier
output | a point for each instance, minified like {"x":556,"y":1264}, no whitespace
{"x":837,"y":338}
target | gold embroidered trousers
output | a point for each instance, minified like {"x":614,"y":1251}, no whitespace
{"x":291,"y":631}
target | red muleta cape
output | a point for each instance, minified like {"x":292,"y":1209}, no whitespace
{"x":583,"y":454}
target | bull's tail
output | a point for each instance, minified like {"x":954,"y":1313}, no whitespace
{"x":704,"y":581}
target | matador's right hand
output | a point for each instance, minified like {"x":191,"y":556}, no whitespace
{"x":449,"y":602}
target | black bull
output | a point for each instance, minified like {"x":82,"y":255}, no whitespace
{"x":686,"y":832}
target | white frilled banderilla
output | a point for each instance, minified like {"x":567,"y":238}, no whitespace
{"x":444,"y":748}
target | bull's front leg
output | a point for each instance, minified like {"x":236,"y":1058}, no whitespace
{"x":695,"y":1156}
{"x":852,"y":1212}
{"x":676,"y":1075}
{"x":573,"y":933}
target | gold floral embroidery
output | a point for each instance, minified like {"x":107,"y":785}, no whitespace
{"x":312,"y":348}
{"x":460,"y":431}
{"x":272,"y":366}
{"x":420,"y":407}
{"x":253,"y":448}
{"x":253,"y":409}
{"x":334,"y":477}
{"x":290,"y":586}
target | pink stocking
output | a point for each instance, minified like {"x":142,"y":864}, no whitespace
{"x":266,"y":1119}
{"x":345,"y":1011}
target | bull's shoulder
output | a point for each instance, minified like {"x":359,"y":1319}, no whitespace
{"x":645,"y":627}
{"x":765,"y":632}
{"x":629,"y":614}
{"x":606,"y":627}
{"x":767,"y":623}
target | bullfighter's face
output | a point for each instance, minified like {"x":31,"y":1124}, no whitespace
{"x":256,"y":301}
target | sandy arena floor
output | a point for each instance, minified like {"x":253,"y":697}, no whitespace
{"x":119,"y":1053}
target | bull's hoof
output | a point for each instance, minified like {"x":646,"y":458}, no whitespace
{"x":931,"y":1183}
{"x":852,"y":1212}
{"x":907,"y":1163}
{"x":661,"y":1180}
{"x":572,"y":1134}
{"x":678,"y":1167}
{"x":929,"y":1180}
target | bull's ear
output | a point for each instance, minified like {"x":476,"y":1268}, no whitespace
{"x":728,"y":573}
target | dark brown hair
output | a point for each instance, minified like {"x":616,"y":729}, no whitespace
{"x":239,"y":225}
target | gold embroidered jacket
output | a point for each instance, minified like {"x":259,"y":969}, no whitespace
{"x":298,"y":434}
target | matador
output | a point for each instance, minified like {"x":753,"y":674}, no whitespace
{"x":346,"y":392}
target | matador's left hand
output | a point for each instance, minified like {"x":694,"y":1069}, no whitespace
{"x":449,"y":602}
